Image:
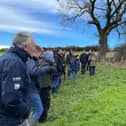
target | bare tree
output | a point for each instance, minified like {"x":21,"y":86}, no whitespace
{"x":106,"y":15}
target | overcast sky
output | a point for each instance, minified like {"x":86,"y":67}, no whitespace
{"x":40,"y":18}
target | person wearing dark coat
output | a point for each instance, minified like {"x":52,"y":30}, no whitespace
{"x":15,"y":88}
{"x":45,"y":83}
{"x":64,"y":64}
{"x":88,"y":63}
{"x":35,"y":71}
{"x":84,"y":62}
{"x":75,"y":66}
{"x":68,"y":62}
{"x":57,"y":80}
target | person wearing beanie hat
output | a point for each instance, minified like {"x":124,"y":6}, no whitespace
{"x":45,"y":83}
{"x":48,"y":55}
{"x":34,"y":71}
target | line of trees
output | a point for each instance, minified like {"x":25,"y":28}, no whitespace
{"x":77,"y":48}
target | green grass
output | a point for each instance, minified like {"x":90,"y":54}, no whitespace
{"x":1,"y":52}
{"x":91,"y":101}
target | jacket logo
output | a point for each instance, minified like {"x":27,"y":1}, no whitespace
{"x":16,"y":78}
{"x":17,"y":86}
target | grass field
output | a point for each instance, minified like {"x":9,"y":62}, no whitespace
{"x":1,"y":52}
{"x":91,"y":101}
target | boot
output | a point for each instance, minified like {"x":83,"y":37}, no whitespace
{"x":33,"y":122}
{"x":27,"y":122}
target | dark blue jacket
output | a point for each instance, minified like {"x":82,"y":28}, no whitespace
{"x":83,"y":58}
{"x":75,"y":66}
{"x":59,"y":63}
{"x":14,"y":85}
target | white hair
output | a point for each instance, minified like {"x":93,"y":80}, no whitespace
{"x":21,"y":38}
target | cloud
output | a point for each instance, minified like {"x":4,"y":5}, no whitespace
{"x":17,"y":16}
{"x":40,"y":5}
{"x":14,"y":19}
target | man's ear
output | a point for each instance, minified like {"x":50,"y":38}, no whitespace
{"x":24,"y":46}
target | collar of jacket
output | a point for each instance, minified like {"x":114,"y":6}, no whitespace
{"x":20,"y":52}
{"x":49,"y":62}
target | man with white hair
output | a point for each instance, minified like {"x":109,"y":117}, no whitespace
{"x":14,"y":81}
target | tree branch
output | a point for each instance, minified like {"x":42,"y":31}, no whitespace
{"x":108,"y":12}
{"x":94,"y":19}
{"x":113,"y":22}
{"x":117,"y":8}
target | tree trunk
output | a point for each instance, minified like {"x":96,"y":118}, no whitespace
{"x":103,"y":46}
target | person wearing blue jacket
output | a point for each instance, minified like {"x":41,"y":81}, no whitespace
{"x":45,"y":83}
{"x":34,"y":71}
{"x":84,"y":62}
{"x":75,"y":66}
{"x":15,"y":83}
{"x":57,"y":77}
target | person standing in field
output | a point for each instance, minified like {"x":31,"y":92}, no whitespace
{"x":84,"y":62}
{"x":75,"y":66}
{"x":64,"y":64}
{"x":45,"y":83}
{"x":68,"y":62}
{"x":15,"y":83}
{"x":88,"y":62}
{"x":57,"y":77}
{"x":92,"y":66}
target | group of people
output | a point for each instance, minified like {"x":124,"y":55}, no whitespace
{"x":87,"y":61}
{"x":29,"y":73}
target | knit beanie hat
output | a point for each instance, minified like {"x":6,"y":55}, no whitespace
{"x":48,"y":55}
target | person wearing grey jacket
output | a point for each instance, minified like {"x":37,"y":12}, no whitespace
{"x":45,"y":83}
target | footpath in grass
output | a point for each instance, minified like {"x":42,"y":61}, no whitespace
{"x":91,"y":101}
